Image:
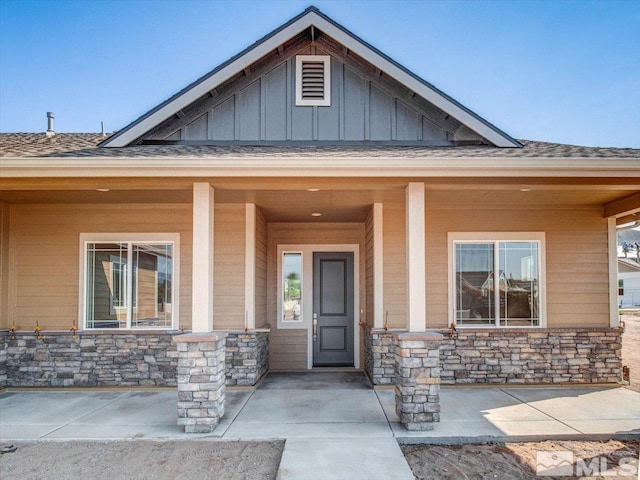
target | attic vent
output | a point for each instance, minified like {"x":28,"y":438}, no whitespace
{"x":313,"y":80}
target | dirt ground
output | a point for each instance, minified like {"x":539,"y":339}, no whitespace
{"x":142,"y":460}
{"x":518,"y":461}
{"x":631,"y":348}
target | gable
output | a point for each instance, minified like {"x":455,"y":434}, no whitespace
{"x":252,"y":98}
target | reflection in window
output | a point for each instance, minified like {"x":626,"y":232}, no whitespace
{"x":129,"y":285}
{"x":292,"y":287}
{"x":512,"y":283}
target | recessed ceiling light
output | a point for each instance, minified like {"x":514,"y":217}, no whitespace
{"x":316,"y":214}
{"x":525,"y":189}
{"x":313,"y":189}
{"x":102,"y":189}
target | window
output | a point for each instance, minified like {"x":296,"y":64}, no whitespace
{"x":129,"y":283}
{"x":313,"y":80}
{"x":498,"y":281}
{"x":292,"y":287}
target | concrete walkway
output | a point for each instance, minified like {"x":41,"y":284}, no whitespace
{"x":335,"y":425}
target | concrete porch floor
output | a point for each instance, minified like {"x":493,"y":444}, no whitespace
{"x":335,"y":425}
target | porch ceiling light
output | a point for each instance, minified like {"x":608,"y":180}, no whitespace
{"x":102,"y":189}
{"x":313,"y":189}
{"x":525,"y":189}
{"x":316,"y":214}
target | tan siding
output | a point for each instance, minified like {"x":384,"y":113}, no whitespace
{"x":4,"y":265}
{"x":229,"y":267}
{"x":288,"y":348}
{"x":46,"y":250}
{"x":395,"y":266}
{"x":576,"y":258}
{"x":261,"y":270}
{"x":368,"y":242}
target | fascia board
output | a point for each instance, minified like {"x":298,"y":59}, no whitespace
{"x":413,"y":83}
{"x":208,"y":84}
{"x":349,"y":41}
{"x":67,"y":167}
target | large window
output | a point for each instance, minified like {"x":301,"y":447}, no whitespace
{"x":497,"y":282}
{"x":129,"y":283}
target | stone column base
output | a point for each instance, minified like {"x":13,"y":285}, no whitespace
{"x":417,"y":379}
{"x":201,"y":380}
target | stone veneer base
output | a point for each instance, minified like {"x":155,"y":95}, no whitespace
{"x":511,"y":356}
{"x":201,"y":380}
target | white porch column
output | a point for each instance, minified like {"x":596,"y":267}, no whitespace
{"x":378,"y":260}
{"x":416,"y":243}
{"x":250,"y":267}
{"x":202,"y":286}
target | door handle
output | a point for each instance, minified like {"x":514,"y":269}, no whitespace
{"x":315,"y":327}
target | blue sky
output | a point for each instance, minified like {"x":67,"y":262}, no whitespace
{"x":559,"y":71}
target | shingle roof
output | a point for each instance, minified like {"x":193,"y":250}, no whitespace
{"x":85,"y":145}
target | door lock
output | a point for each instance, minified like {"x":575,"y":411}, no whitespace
{"x":315,"y":327}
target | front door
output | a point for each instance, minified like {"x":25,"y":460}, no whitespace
{"x":333,"y":309}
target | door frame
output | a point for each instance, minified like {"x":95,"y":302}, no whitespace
{"x":307,"y":251}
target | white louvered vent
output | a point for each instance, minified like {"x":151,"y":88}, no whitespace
{"x":313,"y":80}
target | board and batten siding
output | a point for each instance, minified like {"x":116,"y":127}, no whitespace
{"x":288,"y":348}
{"x":261,"y":106}
{"x":45,"y":250}
{"x":577,"y":281}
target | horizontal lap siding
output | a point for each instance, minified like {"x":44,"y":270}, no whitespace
{"x":229,"y":268}
{"x":395,"y":266}
{"x":576,"y":259}
{"x":45,"y":250}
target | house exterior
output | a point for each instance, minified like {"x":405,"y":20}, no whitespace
{"x":305,"y":204}
{"x":628,"y":283}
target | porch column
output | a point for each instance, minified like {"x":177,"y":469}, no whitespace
{"x":202,"y":261}
{"x":250,"y":267}
{"x":378,"y":261}
{"x":416,"y":281}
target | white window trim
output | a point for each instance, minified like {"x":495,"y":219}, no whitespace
{"x":173,"y":238}
{"x":324,"y":102}
{"x":307,"y":251}
{"x":453,"y":237}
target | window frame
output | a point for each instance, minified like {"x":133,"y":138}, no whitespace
{"x":326,"y":100}
{"x":131,"y":238}
{"x":454,"y":238}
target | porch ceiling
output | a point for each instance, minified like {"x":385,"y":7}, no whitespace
{"x":339,"y":200}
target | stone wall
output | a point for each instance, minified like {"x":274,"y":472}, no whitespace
{"x":201,"y":380}
{"x":4,"y":339}
{"x":91,"y":359}
{"x":379,"y":359}
{"x":531,"y":356}
{"x":247,"y":357}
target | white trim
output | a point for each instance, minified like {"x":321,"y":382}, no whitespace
{"x":378,"y":264}
{"x":307,"y":251}
{"x":325,"y":101}
{"x":130,"y":237}
{"x":612,"y":248}
{"x":277,"y":39}
{"x":202,"y":260}
{"x":416,"y":257}
{"x":321,"y":166}
{"x":493,"y":237}
{"x":250,"y":266}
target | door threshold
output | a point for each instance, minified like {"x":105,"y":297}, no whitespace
{"x":335,"y":369}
